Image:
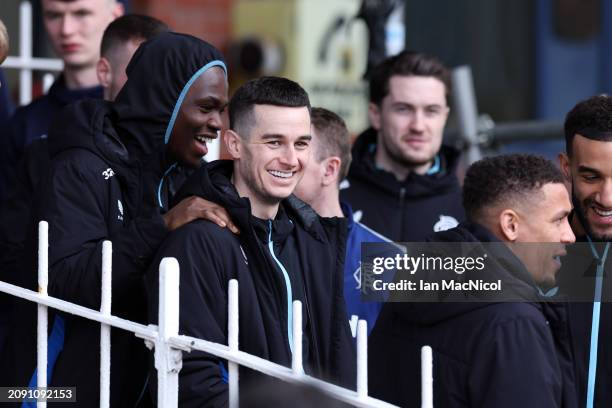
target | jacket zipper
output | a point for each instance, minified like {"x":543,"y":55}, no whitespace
{"x":287,"y":287}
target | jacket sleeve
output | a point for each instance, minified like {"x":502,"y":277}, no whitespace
{"x":76,"y":201}
{"x":203,"y":310}
{"x":518,"y":368}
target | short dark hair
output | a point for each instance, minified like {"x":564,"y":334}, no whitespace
{"x":333,"y":137}
{"x":267,"y":90}
{"x":591,"y":118}
{"x":406,"y":63}
{"x":499,"y":179}
{"x":130,"y":27}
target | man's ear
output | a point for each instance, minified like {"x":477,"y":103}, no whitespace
{"x":332,"y":170}
{"x":564,"y":163}
{"x":509,"y":224}
{"x":118,"y":10}
{"x":374,"y":115}
{"x":233,"y":143}
{"x":104,"y":73}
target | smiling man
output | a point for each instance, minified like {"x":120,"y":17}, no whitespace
{"x":587,"y":165}
{"x":402,"y":181}
{"x":490,"y":353}
{"x":284,"y":252}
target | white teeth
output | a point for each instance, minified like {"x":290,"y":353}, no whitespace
{"x":602,"y":213}
{"x":203,"y":139}
{"x":282,"y":174}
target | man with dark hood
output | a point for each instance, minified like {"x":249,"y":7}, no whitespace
{"x":284,"y":251}
{"x":99,"y":189}
{"x":488,"y":351}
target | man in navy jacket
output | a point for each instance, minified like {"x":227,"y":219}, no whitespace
{"x":488,"y":353}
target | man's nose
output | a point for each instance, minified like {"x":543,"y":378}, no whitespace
{"x":417,"y":124}
{"x":289,"y":156}
{"x":68,"y":25}
{"x":567,"y":235}
{"x":605,"y":193}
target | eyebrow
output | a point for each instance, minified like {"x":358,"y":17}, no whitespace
{"x":212,"y":99}
{"x":587,"y":169}
{"x":561,"y":214}
{"x":274,"y":136}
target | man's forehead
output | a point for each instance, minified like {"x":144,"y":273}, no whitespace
{"x":417,"y":89}
{"x":74,"y":4}
{"x":591,"y":153}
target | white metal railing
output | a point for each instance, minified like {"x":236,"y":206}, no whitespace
{"x":25,"y":62}
{"x":169,"y":345}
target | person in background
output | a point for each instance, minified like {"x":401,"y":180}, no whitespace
{"x":402,"y":182}
{"x":319,"y":188}
{"x":75,"y":30}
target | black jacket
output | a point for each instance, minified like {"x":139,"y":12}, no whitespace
{"x":209,"y":256}
{"x":576,"y":281}
{"x":32,"y":122}
{"x":402,"y":211}
{"x":484,"y":354}
{"x":95,"y":191}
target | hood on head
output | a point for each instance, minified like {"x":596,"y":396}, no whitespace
{"x":159,"y":76}
{"x":87,"y":124}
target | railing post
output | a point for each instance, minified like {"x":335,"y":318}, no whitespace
{"x":362,"y":359}
{"x":426,"y":377}
{"x":466,"y":110}
{"x":168,"y":361}
{"x":232,"y":339}
{"x":43,"y":323}
{"x":25,"y":51}
{"x":105,"y":330}
{"x":296,"y":361}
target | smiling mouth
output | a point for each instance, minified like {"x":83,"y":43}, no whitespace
{"x":281,"y":174}
{"x":205,"y":139}
{"x":602,"y":213}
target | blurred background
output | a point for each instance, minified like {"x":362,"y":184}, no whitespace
{"x":530,"y":60}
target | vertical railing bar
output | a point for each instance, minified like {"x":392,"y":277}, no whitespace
{"x":362,"y":359}
{"x":43,"y":322}
{"x":296,"y":361}
{"x":167,"y":360}
{"x":426,"y":377}
{"x":105,"y":330}
{"x":232,"y":337}
{"x":25,"y":51}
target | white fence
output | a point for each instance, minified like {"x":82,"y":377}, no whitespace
{"x":169,"y":345}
